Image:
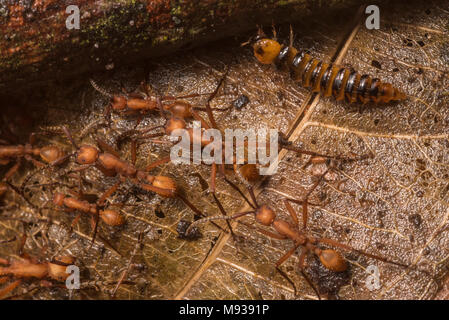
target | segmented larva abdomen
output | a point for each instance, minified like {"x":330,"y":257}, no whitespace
{"x":328,"y":79}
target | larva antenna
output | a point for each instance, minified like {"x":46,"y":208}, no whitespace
{"x":99,"y":89}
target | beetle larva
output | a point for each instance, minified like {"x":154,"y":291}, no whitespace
{"x":326,"y":78}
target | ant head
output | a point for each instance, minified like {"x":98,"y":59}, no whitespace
{"x":119,"y":103}
{"x":112,"y":218}
{"x":332,"y":260}
{"x":51,"y":153}
{"x":58,"y":199}
{"x":265,"y":215}
{"x":57,"y":268}
{"x":173,"y":124}
{"x":87,"y":155}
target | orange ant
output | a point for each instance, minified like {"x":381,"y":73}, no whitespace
{"x":29,"y":267}
{"x":108,"y":216}
{"x":266,"y":216}
{"x":49,"y":154}
{"x":111,"y":165}
{"x":144,"y":102}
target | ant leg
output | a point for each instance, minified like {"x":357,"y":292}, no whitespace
{"x":302,"y":258}
{"x":212,"y":96}
{"x":214,"y":109}
{"x":69,"y":136}
{"x":286,"y":277}
{"x":133,"y":151}
{"x":12,"y":170}
{"x":289,"y":146}
{"x":213,"y":175}
{"x":22,"y":242}
{"x":128,"y":267}
{"x":285,"y":144}
{"x":286,"y":256}
{"x":94,"y":223}
{"x":197,"y":211}
{"x":223,"y":173}
{"x":304,"y":203}
{"x":193,"y":95}
{"x":207,"y":219}
{"x":157,"y":163}
{"x":282,"y":273}
{"x":293,"y":213}
{"x":161,"y":108}
{"x":246,"y":183}
{"x":75,"y":221}
{"x":9,"y":288}
{"x":108,"y":193}
{"x":153,"y":135}
{"x":105,"y":147}
{"x":349,"y":248}
{"x":204,"y":124}
{"x":21,"y":194}
{"x":37,"y":163}
{"x":223,"y":212}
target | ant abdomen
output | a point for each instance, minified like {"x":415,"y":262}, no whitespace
{"x":51,"y":153}
{"x":332,"y":260}
{"x":112,"y":217}
{"x":58,"y":271}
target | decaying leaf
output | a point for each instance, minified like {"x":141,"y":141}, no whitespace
{"x":394,"y":205}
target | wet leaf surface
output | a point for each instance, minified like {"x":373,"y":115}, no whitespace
{"x":394,"y":205}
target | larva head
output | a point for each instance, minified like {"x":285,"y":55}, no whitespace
{"x":57,"y":269}
{"x":332,"y":260}
{"x":87,"y":155}
{"x":51,"y":153}
{"x":265,"y":215}
{"x":266,"y":50}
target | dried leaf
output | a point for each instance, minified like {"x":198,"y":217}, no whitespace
{"x":394,"y":205}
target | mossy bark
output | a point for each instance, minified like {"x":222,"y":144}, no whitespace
{"x":35,"y":44}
